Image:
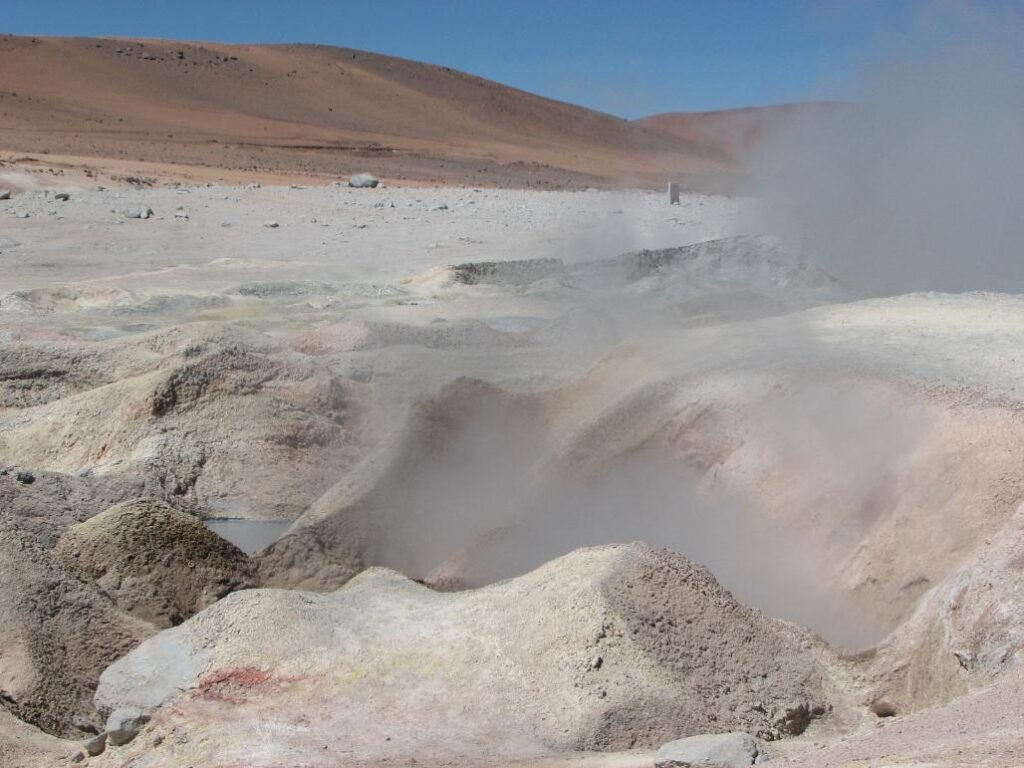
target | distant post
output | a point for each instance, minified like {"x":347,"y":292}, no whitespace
{"x":673,"y":193}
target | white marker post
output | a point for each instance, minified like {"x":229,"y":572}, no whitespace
{"x":673,"y":193}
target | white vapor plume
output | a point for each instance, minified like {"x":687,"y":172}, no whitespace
{"x":919,"y":183}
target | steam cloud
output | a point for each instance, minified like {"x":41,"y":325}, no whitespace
{"x":919,"y":183}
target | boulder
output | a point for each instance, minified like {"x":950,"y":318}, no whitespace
{"x":5,"y":194}
{"x":713,"y":750}
{"x":363,"y":181}
{"x":95,"y":745}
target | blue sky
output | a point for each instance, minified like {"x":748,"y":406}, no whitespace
{"x":628,"y":58}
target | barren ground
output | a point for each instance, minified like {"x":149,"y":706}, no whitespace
{"x":851,"y":465}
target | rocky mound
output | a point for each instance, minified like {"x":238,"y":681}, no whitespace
{"x":46,"y":503}
{"x":605,"y":648}
{"x":204,"y":416}
{"x":157,"y":563}
{"x":57,"y":633}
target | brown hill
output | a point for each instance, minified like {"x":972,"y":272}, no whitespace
{"x":731,"y":133}
{"x":317,"y":111}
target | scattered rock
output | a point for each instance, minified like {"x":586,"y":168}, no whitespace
{"x":22,"y":215}
{"x":181,"y":214}
{"x":139,"y":213}
{"x":25,"y":478}
{"x":123,"y":725}
{"x":363,"y":181}
{"x":62,"y":197}
{"x":96,"y":745}
{"x":253,"y":185}
{"x":271,"y":224}
{"x":716,"y":750}
{"x":5,"y":194}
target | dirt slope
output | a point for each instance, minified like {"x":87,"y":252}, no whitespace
{"x":315,"y":110}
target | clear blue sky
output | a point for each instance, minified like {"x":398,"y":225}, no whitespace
{"x":627,"y":57}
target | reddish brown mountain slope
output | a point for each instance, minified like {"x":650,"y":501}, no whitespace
{"x":317,"y":111}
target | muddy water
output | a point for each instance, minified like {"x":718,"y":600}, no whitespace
{"x":250,"y":536}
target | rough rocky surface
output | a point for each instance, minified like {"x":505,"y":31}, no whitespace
{"x":157,"y":563}
{"x":57,"y":633}
{"x":606,"y":648}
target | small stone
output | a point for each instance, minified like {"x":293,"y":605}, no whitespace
{"x":82,"y":723}
{"x":363,"y":181}
{"x":712,"y":750}
{"x":22,"y":215}
{"x":62,"y":196}
{"x":882,"y":708}
{"x":96,"y":745}
{"x":271,"y":224}
{"x":78,"y":757}
{"x":25,"y":478}
{"x":596,"y":662}
{"x":123,"y":725}
{"x":5,"y":194}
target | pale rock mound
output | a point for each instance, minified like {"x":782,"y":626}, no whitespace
{"x":156,"y":562}
{"x":713,"y":750}
{"x":57,"y":633}
{"x":605,"y":648}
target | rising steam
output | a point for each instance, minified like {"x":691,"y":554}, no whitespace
{"x":919,"y":183}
